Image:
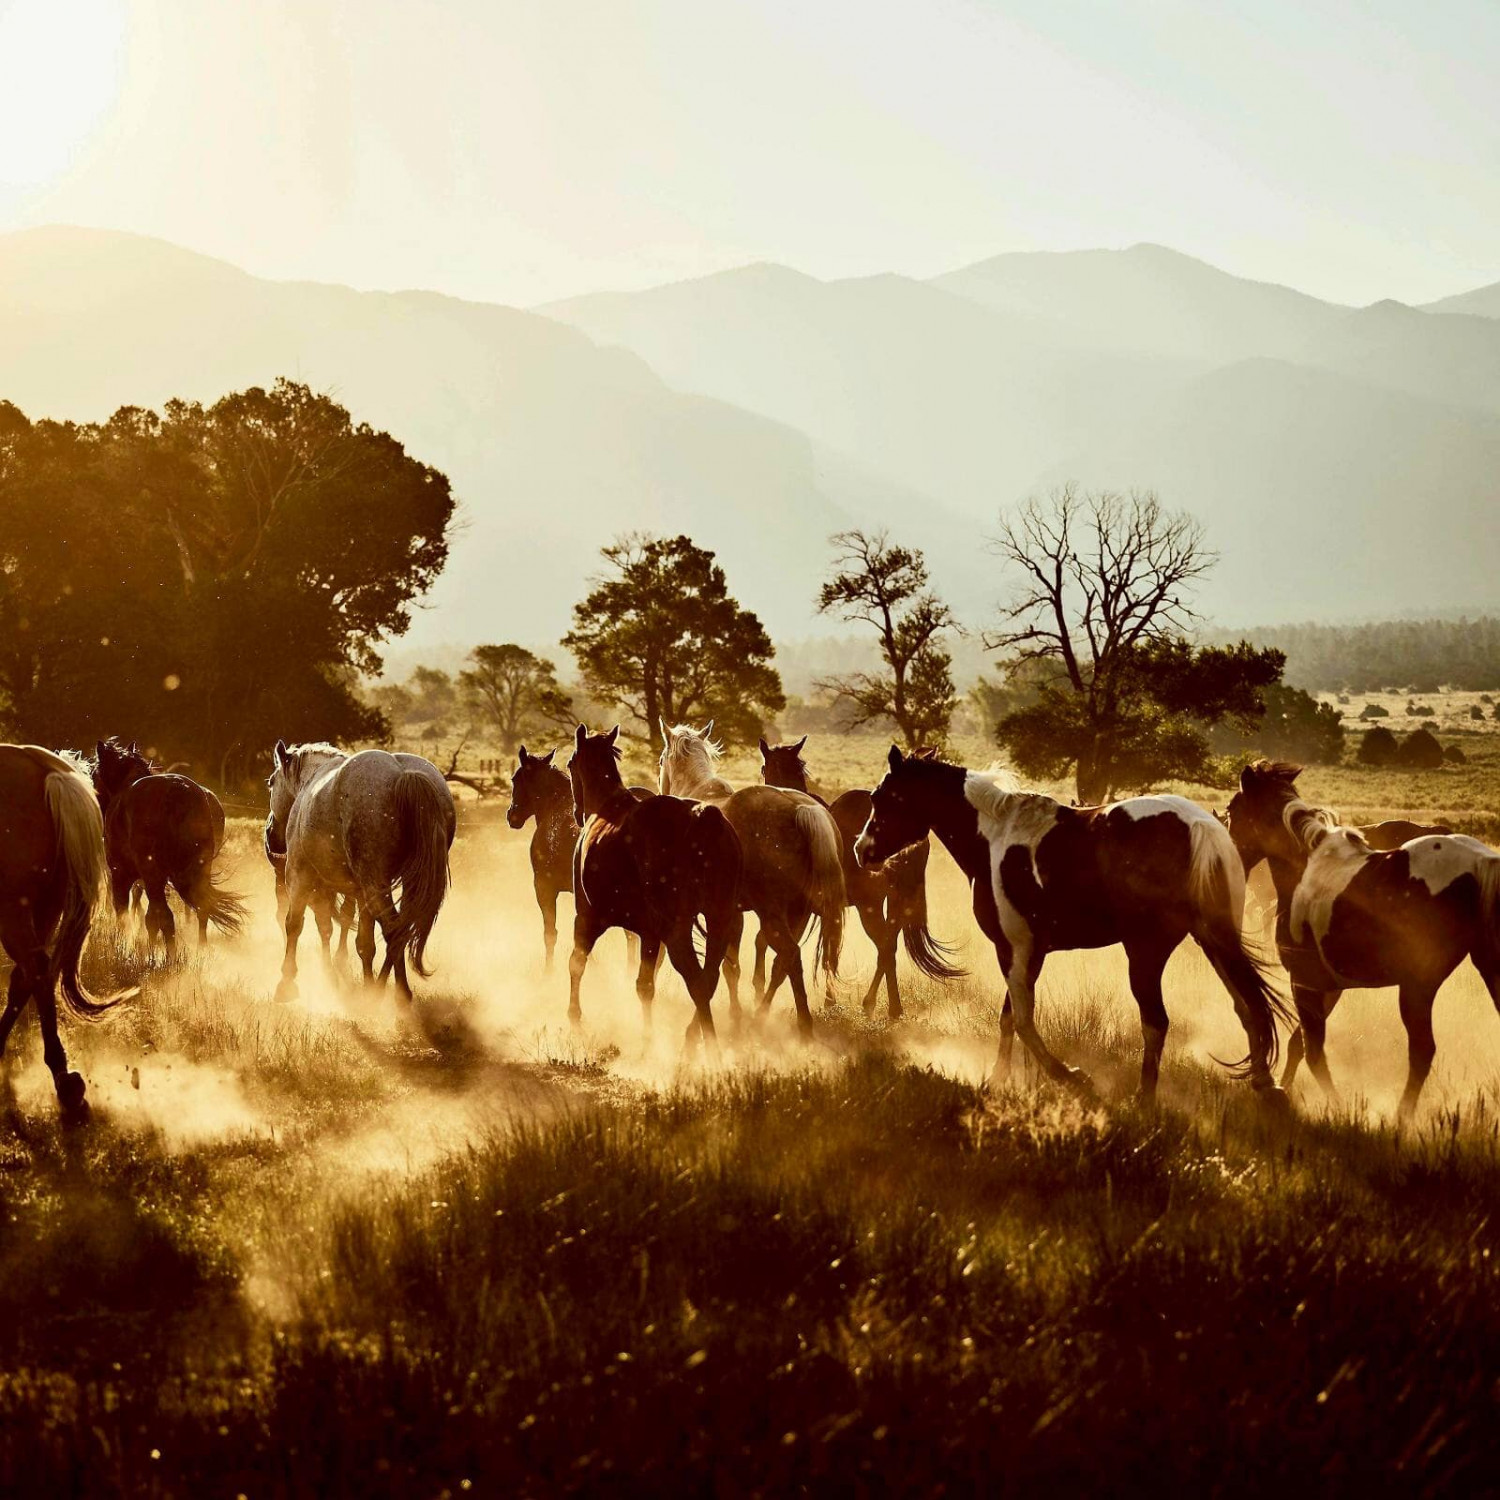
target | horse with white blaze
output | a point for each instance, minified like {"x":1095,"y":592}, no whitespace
{"x":1145,"y":872}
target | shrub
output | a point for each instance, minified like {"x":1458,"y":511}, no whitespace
{"x":1420,"y":751}
{"x":1374,"y":711}
{"x":1378,"y":747}
{"x":1454,"y":756}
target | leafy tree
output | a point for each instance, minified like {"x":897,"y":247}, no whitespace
{"x":660,"y":637}
{"x":1378,"y":747}
{"x":1296,"y":727}
{"x":886,"y":586}
{"x":210,"y":579}
{"x":516,"y":691}
{"x":1100,"y":616}
{"x":434,"y":693}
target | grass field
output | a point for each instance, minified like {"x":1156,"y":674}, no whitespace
{"x":336,"y":1248}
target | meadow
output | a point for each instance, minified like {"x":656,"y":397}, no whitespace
{"x":338,"y":1247}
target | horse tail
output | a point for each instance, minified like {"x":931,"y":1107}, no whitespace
{"x":224,"y":908}
{"x":908,"y":908}
{"x":423,"y":873}
{"x":824,"y":887}
{"x":74,"y":810}
{"x":1216,"y":883}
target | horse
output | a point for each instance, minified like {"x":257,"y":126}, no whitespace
{"x":357,"y":825}
{"x":52,"y":874}
{"x":891,"y":899}
{"x":793,"y":868}
{"x":539,"y":790}
{"x":1353,"y":917}
{"x":656,"y":867}
{"x":1145,"y":872}
{"x":161,"y":829}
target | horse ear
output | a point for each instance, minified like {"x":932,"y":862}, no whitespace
{"x":613,"y":735}
{"x":579,"y":736}
{"x":800,"y":743}
{"x":708,"y":730}
{"x":666,"y":734}
{"x":546,"y":759}
{"x":135,"y":748}
{"x":522,"y":756}
{"x":896,"y":759}
{"x":282,"y":756}
{"x":101,"y":750}
{"x":765,"y":749}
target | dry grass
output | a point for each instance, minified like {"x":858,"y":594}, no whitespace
{"x":335,"y":1248}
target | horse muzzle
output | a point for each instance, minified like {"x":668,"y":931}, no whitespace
{"x":515,"y":817}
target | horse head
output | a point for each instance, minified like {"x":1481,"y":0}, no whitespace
{"x":902,"y":806}
{"x":783,"y":765}
{"x":528,"y":785}
{"x":594,"y":770}
{"x":688,"y":757}
{"x":116,"y":766}
{"x":1257,"y":816}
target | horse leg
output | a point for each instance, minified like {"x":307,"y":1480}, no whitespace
{"x":364,"y":942}
{"x":296,"y":911}
{"x":344,"y":913}
{"x":159,"y":918}
{"x":1147,"y":960}
{"x":758,"y":976}
{"x":731,"y":964}
{"x":69,"y":1086}
{"x":789,"y":961}
{"x":1416,"y":1016}
{"x":546,"y":899}
{"x":1313,"y":1008}
{"x":1004,"y":1056}
{"x":586,"y":933}
{"x":1025,"y":968}
{"x":323,"y":916}
{"x":701,"y":981}
{"x":17,"y":994}
{"x":645,"y":978}
{"x":395,"y":953}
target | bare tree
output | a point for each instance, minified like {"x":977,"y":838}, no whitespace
{"x":885,"y":586}
{"x":1105,"y":580}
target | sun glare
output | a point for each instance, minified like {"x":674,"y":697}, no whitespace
{"x":60,"y":65}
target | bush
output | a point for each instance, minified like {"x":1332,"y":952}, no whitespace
{"x":1420,"y":751}
{"x":1378,"y":747}
{"x":1475,"y":711}
{"x":1455,"y":756}
{"x":1419,"y":710}
{"x":1374,"y":711}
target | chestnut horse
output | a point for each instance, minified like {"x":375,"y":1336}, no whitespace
{"x":656,"y":867}
{"x":1146,"y":873}
{"x":52,"y":871}
{"x":891,"y":899}
{"x":162,"y":829}
{"x":1351,"y":917}
{"x":539,"y":790}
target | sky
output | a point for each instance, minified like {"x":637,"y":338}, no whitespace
{"x":523,"y":150}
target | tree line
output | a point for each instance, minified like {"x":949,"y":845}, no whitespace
{"x":211,"y":578}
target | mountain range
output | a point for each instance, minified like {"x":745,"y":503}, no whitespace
{"x":1345,"y":462}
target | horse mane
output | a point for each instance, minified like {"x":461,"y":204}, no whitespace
{"x":1310,"y":825}
{"x":686,"y":734}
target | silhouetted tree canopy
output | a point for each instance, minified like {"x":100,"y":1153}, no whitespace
{"x":1295,"y":727}
{"x":885,"y":586}
{"x":1122,"y":697}
{"x":516,"y":693}
{"x":660,"y":637}
{"x":209,"y":579}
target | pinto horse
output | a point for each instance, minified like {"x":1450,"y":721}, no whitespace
{"x":891,"y":899}
{"x":793,"y":870}
{"x":1352,"y":917}
{"x":52,"y":871}
{"x":656,"y":867}
{"x":359,"y":825}
{"x":162,"y":829}
{"x":1145,"y":873}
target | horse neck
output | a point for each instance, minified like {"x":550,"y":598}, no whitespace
{"x":791,"y":781}
{"x":554,"y":800}
{"x":694,"y":776}
{"x":602,"y":788}
{"x":954,"y":820}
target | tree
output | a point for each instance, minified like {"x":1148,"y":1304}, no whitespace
{"x":660,"y":637}
{"x":210,"y":579}
{"x":1420,"y":751}
{"x":517,"y":691}
{"x":1102,"y":607}
{"x":1296,"y":727}
{"x":886,"y":586}
{"x":1378,"y":747}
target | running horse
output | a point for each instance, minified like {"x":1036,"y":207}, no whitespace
{"x":1146,"y":873}
{"x":359,"y":825}
{"x":891,"y":899}
{"x":52,"y":873}
{"x":539,"y":790}
{"x":162,"y":829}
{"x":1352,"y":917}
{"x":793,"y":870}
{"x":660,"y":868}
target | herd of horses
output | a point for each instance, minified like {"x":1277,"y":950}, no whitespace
{"x":363,"y":841}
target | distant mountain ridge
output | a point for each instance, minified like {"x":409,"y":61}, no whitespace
{"x":1345,"y":461}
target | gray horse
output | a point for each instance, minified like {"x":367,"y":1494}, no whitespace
{"x":356,"y":826}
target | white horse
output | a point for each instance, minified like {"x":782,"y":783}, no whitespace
{"x":356,"y":826}
{"x":794,"y":866}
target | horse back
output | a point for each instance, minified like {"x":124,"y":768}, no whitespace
{"x":28,"y":841}
{"x":168,"y":822}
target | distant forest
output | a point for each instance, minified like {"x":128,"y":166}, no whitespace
{"x":1403,"y":655}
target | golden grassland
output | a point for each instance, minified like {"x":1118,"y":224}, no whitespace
{"x":336,"y":1247}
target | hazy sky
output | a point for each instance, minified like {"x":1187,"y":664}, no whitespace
{"x":518,"y":150}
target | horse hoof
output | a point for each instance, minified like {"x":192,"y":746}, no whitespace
{"x":71,"y":1100}
{"x":1081,"y":1084}
{"x":286,"y":991}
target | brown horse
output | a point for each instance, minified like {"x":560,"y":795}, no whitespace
{"x":891,"y":899}
{"x":657,"y":868}
{"x":52,"y":870}
{"x":1351,"y":917}
{"x":539,"y":790}
{"x":162,"y":829}
{"x":1145,"y":873}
